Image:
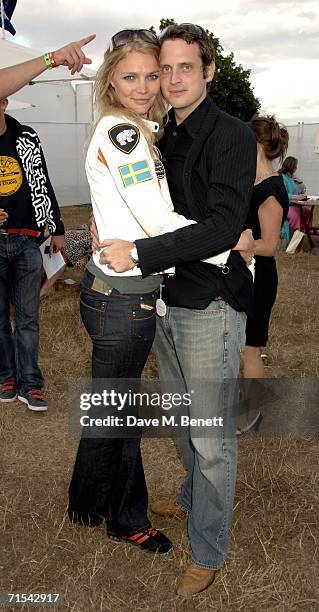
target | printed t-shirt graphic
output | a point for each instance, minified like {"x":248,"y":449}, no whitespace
{"x":10,"y":175}
{"x":15,"y":195}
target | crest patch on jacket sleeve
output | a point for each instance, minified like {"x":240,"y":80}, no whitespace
{"x":159,"y":169}
{"x":125,"y":137}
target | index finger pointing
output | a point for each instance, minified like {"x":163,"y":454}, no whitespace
{"x":86,"y":40}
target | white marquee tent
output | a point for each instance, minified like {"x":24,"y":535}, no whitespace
{"x":18,"y":105}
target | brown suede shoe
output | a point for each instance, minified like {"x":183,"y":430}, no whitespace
{"x":168,"y":507}
{"x":195,"y":580}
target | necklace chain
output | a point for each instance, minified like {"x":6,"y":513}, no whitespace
{"x":261,"y":177}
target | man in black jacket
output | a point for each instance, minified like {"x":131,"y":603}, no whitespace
{"x":29,"y":204}
{"x":210,"y":161}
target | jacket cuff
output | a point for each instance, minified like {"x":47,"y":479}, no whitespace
{"x":60,"y":231}
{"x":149,"y":260}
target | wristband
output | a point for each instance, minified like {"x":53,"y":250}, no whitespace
{"x":52,"y":59}
{"x":47,"y":60}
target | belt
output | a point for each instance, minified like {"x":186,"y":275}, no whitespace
{"x":15,"y":231}
{"x":103,"y":287}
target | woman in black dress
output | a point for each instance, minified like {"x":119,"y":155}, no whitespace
{"x":268,"y":210}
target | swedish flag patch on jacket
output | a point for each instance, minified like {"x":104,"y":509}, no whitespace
{"x":133,"y":174}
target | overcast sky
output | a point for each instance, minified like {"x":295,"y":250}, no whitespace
{"x":278,"y":41}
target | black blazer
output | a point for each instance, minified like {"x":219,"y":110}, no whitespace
{"x":223,"y":154}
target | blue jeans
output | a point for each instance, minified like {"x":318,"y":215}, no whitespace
{"x":206,"y":345}
{"x":20,"y":281}
{"x":108,"y":479}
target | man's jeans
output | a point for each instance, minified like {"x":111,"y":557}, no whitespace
{"x":206,"y":345}
{"x":108,"y":479}
{"x":20,"y":281}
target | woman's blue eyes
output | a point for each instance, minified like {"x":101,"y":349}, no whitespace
{"x":132,"y":77}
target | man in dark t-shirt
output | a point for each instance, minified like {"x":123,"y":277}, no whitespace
{"x":27,"y":205}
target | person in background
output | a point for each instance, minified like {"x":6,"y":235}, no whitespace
{"x":267,"y":212}
{"x":296,"y":218}
{"x":28,"y":204}
{"x":301,"y":187}
{"x":24,"y":249}
{"x":15,"y":77}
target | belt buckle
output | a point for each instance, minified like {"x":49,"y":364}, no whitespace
{"x":3,"y":232}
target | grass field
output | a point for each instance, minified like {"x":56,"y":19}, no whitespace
{"x":273,"y":565}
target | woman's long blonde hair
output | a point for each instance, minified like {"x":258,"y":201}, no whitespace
{"x":106,"y":100}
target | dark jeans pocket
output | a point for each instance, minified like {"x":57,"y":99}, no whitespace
{"x":92,"y":314}
{"x":144,"y":307}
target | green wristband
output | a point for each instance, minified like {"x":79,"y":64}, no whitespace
{"x":47,"y":60}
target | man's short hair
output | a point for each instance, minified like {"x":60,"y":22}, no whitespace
{"x":191,"y":33}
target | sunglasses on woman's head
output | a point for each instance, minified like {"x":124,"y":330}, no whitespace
{"x":126,"y":36}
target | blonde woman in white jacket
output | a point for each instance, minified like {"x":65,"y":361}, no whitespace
{"x":131,"y":200}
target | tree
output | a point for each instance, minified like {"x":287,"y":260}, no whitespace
{"x":231,"y":89}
